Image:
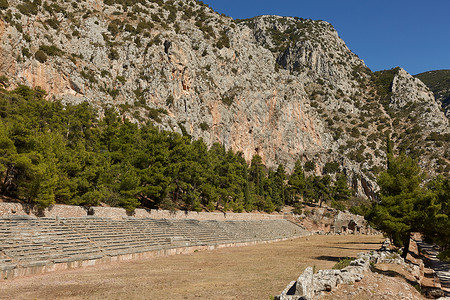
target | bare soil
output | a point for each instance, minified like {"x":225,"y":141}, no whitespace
{"x":252,"y":272}
{"x":388,"y":281}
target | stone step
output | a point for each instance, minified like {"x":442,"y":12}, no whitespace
{"x":70,"y":239}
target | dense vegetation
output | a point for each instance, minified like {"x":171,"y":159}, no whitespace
{"x":50,"y":153}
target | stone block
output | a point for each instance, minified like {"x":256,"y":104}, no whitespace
{"x":305,"y":285}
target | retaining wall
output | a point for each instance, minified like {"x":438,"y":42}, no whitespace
{"x":68,"y":211}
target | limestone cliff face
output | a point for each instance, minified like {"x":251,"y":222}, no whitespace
{"x":283,"y":88}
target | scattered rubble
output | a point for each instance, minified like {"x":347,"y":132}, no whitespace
{"x":311,"y":286}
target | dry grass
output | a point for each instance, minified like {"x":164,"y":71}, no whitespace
{"x":253,"y":272}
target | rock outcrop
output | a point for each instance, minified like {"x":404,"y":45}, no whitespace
{"x":281,"y":87}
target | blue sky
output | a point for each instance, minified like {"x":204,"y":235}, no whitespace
{"x":414,"y":35}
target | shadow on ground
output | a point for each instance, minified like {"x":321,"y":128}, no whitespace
{"x":361,"y":243}
{"x":331,"y":258}
{"x":391,"y":273}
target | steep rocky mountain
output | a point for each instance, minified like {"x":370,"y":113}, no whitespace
{"x":439,"y":83}
{"x":284,"y":88}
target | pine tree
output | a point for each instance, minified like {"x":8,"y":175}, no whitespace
{"x":437,"y":214}
{"x":297,"y":181}
{"x":399,"y":213}
{"x":341,"y":192}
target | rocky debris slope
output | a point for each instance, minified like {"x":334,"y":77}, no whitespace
{"x":313,"y":286}
{"x":325,"y":220}
{"x":284,"y":88}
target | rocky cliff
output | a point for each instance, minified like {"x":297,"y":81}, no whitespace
{"x":284,"y":88}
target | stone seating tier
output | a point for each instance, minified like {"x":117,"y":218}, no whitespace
{"x":28,"y":242}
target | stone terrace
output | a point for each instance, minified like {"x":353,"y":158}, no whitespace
{"x":35,"y":245}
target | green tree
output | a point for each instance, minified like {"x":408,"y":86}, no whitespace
{"x":399,"y":213}
{"x":278,"y":186}
{"x":297,"y":181}
{"x":437,"y":220}
{"x":322,"y":187}
{"x":258,"y":174}
{"x":341,"y":191}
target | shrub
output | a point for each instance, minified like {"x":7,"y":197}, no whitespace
{"x":53,"y":23}
{"x":113,"y":54}
{"x":26,"y":52}
{"x":298,"y":208}
{"x":310,"y":166}
{"x":338,"y":205}
{"x":4,"y":80}
{"x":121,"y":79}
{"x":113,"y":93}
{"x":113,"y":29}
{"x":51,"y":50}
{"x":28,"y":8}
{"x":355,"y":132}
{"x":153,"y":113}
{"x":343,"y":262}
{"x":143,"y":25}
{"x":227,"y":100}
{"x":169,"y":100}
{"x":89,"y":75}
{"x":40,"y":56}
{"x":331,"y":167}
{"x":4,"y":4}
{"x":204,"y":126}
{"x":224,"y":41}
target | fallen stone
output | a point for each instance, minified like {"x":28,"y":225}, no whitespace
{"x":305,"y":285}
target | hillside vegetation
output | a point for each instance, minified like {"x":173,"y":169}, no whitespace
{"x":52,"y":153}
{"x":439,"y":83}
{"x":217,"y":92}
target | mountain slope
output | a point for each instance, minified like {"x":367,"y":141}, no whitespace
{"x":284,"y":88}
{"x":439,"y":83}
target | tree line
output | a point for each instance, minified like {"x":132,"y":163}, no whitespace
{"x":53,"y":153}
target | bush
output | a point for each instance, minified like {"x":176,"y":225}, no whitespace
{"x":224,"y":41}
{"x":26,"y":52}
{"x":113,"y":54}
{"x":53,"y":23}
{"x":444,"y":255}
{"x":51,"y":50}
{"x":204,"y":126}
{"x":28,"y":8}
{"x":113,"y":29}
{"x":331,"y":167}
{"x":310,"y":165}
{"x":121,"y":79}
{"x":4,"y":4}
{"x":355,"y":132}
{"x":343,"y":262}
{"x":227,"y":100}
{"x":298,"y":208}
{"x":40,"y":56}
{"x":169,"y":100}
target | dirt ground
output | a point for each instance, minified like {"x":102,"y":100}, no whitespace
{"x":388,"y":281}
{"x":252,"y":272}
